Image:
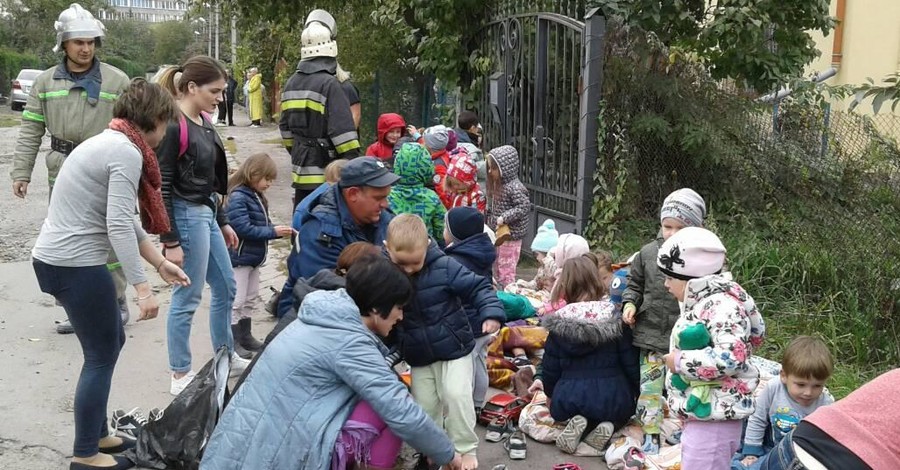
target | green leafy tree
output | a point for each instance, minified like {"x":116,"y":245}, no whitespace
{"x":888,"y":92}
{"x":172,"y":39}
{"x":762,"y":43}
{"x":28,"y":24}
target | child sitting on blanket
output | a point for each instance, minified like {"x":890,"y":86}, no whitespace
{"x":590,"y":369}
{"x":805,"y":367}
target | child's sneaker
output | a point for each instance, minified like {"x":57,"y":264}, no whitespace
{"x":599,"y":437}
{"x":570,"y":437}
{"x":497,"y":430}
{"x":651,"y":444}
{"x":128,"y":425}
{"x":521,"y":362}
{"x":516,"y":446}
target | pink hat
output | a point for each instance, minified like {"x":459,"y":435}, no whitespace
{"x":691,"y":253}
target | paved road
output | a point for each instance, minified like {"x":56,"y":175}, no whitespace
{"x":41,"y":368}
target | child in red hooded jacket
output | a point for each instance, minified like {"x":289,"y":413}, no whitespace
{"x":391,"y":127}
{"x":460,"y":186}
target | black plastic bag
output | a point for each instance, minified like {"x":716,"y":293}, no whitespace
{"x":177,"y":439}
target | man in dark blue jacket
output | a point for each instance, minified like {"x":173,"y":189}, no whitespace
{"x":354,"y":210}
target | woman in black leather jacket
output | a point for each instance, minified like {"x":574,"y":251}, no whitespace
{"x":194,"y":181}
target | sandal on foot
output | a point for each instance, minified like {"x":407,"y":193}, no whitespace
{"x":516,"y":446}
{"x":125,"y":445}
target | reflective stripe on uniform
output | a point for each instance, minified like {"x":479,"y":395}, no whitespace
{"x":288,"y":143}
{"x":308,"y":179}
{"x":108,"y":96}
{"x":303,"y":104}
{"x":65,"y":93}
{"x":353,"y":144}
{"x":304,"y":95}
{"x":344,"y":138}
{"x":31,"y":116}
{"x":113,"y":266}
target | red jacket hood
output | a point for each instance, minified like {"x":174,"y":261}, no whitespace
{"x":389,"y":121}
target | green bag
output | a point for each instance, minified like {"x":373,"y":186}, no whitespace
{"x":517,"y":306}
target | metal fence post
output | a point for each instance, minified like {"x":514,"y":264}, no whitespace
{"x":591,"y":93}
{"x":826,"y":124}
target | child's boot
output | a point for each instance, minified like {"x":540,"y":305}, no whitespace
{"x":599,"y":437}
{"x":237,"y":333}
{"x":570,"y":437}
{"x":247,"y":340}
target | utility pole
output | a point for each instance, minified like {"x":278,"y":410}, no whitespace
{"x":217,"y":29}
{"x":233,"y":42}
{"x":209,"y":28}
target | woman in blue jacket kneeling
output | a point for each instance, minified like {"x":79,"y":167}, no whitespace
{"x":322,"y":395}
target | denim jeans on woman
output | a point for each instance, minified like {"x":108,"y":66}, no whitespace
{"x":205,"y":258}
{"x":88,"y":296}
{"x":782,"y":457}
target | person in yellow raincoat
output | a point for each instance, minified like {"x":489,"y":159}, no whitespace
{"x":256,"y":97}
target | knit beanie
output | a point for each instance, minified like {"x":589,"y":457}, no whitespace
{"x":691,"y":253}
{"x":684,"y":205}
{"x":546,"y":238}
{"x":436,"y":138}
{"x":569,"y":246}
{"x":464,"y":222}
{"x":452,"y":141}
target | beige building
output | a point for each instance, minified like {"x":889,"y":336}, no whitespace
{"x":865,"y":43}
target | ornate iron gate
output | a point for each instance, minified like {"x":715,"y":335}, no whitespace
{"x":543,"y":99}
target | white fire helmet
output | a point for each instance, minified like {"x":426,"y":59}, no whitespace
{"x":323,"y":17}
{"x":76,"y":22}
{"x":316,"y":41}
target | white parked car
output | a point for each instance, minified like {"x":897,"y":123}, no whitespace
{"x":21,"y":86}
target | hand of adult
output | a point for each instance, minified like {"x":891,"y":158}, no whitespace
{"x":175,"y":255}
{"x":628,"y":313}
{"x":284,"y":230}
{"x":490,"y":326}
{"x":20,"y":188}
{"x":456,"y":463}
{"x":149,"y":308}
{"x":173,"y":275}
{"x":536,"y":386}
{"x":231,"y":238}
{"x":749,"y":460}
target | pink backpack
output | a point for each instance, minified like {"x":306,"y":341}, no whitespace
{"x":183,"y":131}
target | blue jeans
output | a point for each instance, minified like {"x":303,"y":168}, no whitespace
{"x":782,"y":457}
{"x":205,"y":257}
{"x":88,"y":295}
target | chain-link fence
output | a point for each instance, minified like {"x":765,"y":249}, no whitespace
{"x":804,"y":195}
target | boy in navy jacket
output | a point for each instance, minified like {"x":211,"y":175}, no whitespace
{"x":435,"y":337}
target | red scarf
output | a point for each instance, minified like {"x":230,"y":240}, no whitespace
{"x":154,"y":217}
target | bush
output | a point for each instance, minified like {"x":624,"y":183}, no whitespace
{"x":10,"y":64}
{"x":811,"y":229}
{"x":131,"y":68}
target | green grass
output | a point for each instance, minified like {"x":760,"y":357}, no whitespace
{"x":824,"y":275}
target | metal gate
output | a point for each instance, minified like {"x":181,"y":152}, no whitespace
{"x":542,"y":98}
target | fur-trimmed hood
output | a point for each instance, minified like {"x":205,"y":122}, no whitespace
{"x":583,"y":326}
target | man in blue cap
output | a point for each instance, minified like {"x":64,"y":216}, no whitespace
{"x":354,"y":210}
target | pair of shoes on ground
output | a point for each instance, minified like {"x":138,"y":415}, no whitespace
{"x":65,"y":327}
{"x":121,"y":464}
{"x":569,"y":439}
{"x":501,"y":429}
{"x":238,"y":366}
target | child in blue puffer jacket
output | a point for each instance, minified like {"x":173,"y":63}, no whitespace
{"x":468,"y":243}
{"x":249,"y":216}
{"x":435,"y":337}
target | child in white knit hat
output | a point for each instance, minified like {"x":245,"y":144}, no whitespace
{"x":711,"y":379}
{"x":652,"y":312}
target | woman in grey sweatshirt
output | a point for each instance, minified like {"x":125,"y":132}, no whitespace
{"x":92,"y":211}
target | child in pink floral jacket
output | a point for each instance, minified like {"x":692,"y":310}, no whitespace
{"x":719,"y":373}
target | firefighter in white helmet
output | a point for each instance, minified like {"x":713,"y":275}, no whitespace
{"x":316,"y":123}
{"x":71,"y":101}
